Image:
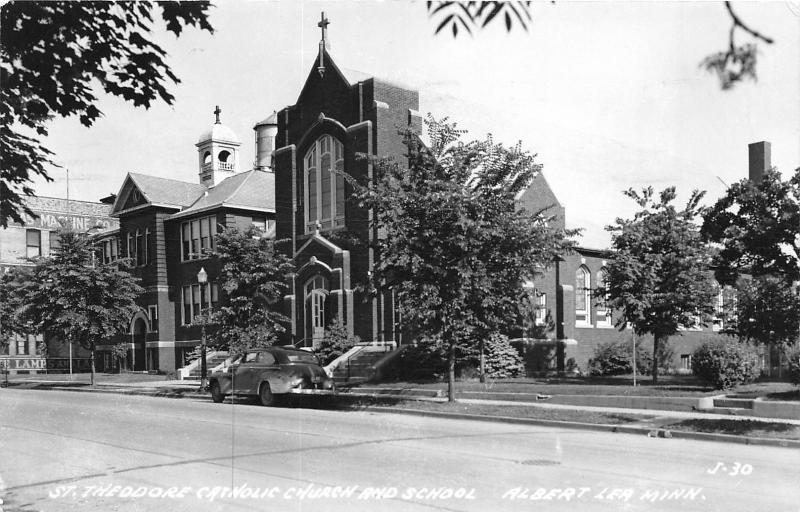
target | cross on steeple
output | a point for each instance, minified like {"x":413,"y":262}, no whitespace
{"x":217,"y":112}
{"x":323,"y":24}
{"x":323,"y":43}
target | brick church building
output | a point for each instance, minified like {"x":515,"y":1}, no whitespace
{"x":338,"y":115}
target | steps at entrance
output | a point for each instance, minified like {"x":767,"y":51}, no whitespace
{"x":211,"y":362}
{"x":359,"y":368}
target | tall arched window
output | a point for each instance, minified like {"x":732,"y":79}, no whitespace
{"x":719,"y":309}
{"x":603,"y":313}
{"x":324,"y":184}
{"x":583,"y":290}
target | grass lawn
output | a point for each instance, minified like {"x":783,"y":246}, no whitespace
{"x":669,"y":385}
{"x":366,"y":403}
{"x":782,"y":391}
{"x":524,"y":412}
{"x":749,"y":428}
{"x":109,"y":378}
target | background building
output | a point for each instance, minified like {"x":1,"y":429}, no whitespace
{"x":37,"y":237}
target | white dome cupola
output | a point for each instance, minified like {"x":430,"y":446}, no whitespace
{"x":218,"y":153}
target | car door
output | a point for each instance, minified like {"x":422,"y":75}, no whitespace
{"x":244,"y":374}
{"x":267,"y":369}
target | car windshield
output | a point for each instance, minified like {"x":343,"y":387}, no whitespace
{"x":301,"y":357}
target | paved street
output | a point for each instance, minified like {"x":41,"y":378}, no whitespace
{"x":80,"y":451}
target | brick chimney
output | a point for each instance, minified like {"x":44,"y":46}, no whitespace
{"x":760,"y":160}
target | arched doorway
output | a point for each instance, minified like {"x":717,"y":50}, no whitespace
{"x":139,"y":344}
{"x":316,"y":308}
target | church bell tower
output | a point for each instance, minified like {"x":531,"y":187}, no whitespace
{"x":218,"y":153}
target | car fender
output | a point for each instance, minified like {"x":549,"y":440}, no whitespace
{"x":224,"y":384}
{"x":277,"y":383}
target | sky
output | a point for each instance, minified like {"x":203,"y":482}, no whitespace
{"x":609,"y":95}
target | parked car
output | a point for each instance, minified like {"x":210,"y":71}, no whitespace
{"x":270,"y":372}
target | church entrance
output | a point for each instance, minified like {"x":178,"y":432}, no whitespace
{"x":139,"y":343}
{"x":316,"y":298}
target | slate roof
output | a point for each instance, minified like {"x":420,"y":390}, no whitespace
{"x":167,"y":191}
{"x":252,"y":189}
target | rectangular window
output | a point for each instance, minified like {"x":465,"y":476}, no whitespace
{"x":132,"y":249}
{"x":197,"y":238}
{"x":214,"y":295}
{"x":148,"y":246}
{"x":23,"y":345}
{"x":260,"y":223}
{"x":186,"y":241}
{"x":110,"y":250}
{"x":197,"y":298}
{"x":33,"y":242}
{"x":187,"y":305}
{"x":55,"y":242}
{"x":152,"y":312}
{"x":205,"y":237}
{"x":141,"y":249}
{"x":541,"y":309}
{"x":686,"y":361}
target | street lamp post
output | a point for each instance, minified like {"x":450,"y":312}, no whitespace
{"x":202,"y":278}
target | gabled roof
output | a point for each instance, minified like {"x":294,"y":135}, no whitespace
{"x":158,"y":191}
{"x":350,"y":77}
{"x":252,"y":190}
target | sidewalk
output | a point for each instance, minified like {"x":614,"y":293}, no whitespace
{"x":651,"y":423}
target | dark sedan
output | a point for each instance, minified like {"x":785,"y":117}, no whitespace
{"x":272,"y":371}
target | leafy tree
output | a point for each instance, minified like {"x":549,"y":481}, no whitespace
{"x":731,"y":65}
{"x":55,"y":54}
{"x":767,"y":310}
{"x":254,"y":277}
{"x":477,"y":15}
{"x":119,"y":351}
{"x":77,"y":298}
{"x":337,"y":341}
{"x":657,"y":278}
{"x":456,"y":247}
{"x":11,"y":302}
{"x":758,"y":227}
{"x":737,"y":62}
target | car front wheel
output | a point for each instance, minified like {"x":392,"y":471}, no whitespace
{"x":216,"y":393}
{"x":266,"y":396}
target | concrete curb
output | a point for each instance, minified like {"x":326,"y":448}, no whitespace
{"x":599,"y":427}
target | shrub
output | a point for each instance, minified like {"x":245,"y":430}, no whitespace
{"x":724,"y":362}
{"x":793,"y":356}
{"x":336,"y":342}
{"x":615,"y":359}
{"x":502,"y":360}
{"x":428,"y":360}
{"x":421,"y":361}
